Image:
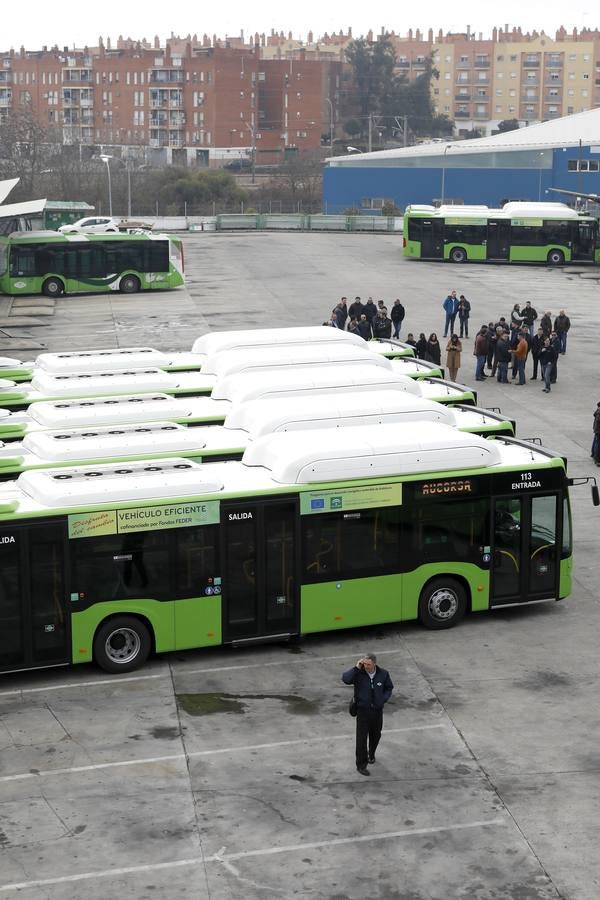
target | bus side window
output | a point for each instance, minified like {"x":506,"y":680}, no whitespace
{"x":22,"y":262}
{"x":196,"y":559}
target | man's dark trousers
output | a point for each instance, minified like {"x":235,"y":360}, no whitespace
{"x":368,"y":727}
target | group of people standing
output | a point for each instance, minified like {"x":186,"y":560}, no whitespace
{"x":369,"y":320}
{"x":505,"y":345}
{"x":500,"y":346}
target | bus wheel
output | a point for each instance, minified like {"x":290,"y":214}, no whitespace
{"x":556,"y":258}
{"x":130,"y":284}
{"x":53,"y":287}
{"x":458,"y":255}
{"x":122,"y":644}
{"x":442,"y":604}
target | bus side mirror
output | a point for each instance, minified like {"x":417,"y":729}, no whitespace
{"x":595,"y":495}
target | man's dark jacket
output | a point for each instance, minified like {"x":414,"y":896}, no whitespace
{"x":370,"y":696}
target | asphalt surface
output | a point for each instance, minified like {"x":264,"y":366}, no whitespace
{"x":222,"y":775}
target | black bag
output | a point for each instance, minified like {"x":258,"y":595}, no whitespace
{"x":352,"y":709}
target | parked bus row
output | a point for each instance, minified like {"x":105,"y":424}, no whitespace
{"x":115,"y":541}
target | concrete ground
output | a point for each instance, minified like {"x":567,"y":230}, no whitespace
{"x":222,"y":775}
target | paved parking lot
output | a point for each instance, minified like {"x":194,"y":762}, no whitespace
{"x":221,"y":775}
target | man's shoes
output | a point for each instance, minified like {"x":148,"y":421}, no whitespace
{"x":533,"y":378}
{"x":362,"y":770}
{"x":372,"y":760}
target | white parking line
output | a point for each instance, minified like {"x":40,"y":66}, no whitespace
{"x":101,"y":682}
{"x":222,"y":857}
{"x":359,"y":839}
{"x":151,"y":760}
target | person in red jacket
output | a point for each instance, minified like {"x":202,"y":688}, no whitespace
{"x":520,"y":355}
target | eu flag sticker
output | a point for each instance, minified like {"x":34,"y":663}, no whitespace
{"x":318,"y":503}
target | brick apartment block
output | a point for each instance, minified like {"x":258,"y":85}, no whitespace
{"x":185,"y":99}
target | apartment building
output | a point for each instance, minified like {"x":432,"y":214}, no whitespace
{"x":512,"y":75}
{"x":190,"y":102}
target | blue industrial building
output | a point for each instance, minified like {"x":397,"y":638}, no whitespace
{"x":516,"y":165}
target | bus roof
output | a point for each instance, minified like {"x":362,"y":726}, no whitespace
{"x":56,"y":237}
{"x":273,"y":463}
{"x":244,"y":359}
{"x":270,"y":337}
{"x":516,"y":209}
{"x":368,"y":453}
{"x":273,"y":414}
{"x":310,"y":379}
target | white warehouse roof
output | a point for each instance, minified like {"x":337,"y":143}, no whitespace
{"x":567,"y":131}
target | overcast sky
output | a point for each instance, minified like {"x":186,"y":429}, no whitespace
{"x":80,"y":23}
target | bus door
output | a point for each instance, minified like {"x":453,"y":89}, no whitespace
{"x":432,"y":238}
{"x":259,"y":568}
{"x":584,"y":237}
{"x":498,"y":239}
{"x":34,"y":614}
{"x":525,"y":550}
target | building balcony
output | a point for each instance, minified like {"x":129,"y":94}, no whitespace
{"x":176,"y":104}
{"x":464,"y":65}
{"x":553,"y":82}
{"x":166,"y":76}
{"x":462,"y":114}
{"x":6,"y":77}
{"x":78,"y":76}
{"x":158,"y":121}
{"x":5,"y":100}
{"x":482,"y":63}
{"x":161,"y":103}
{"x":554,"y":64}
{"x":531,"y":63}
{"x":462,"y":98}
{"x":177,"y":121}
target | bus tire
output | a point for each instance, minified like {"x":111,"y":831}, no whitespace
{"x":556,"y":257}
{"x":458,"y":255}
{"x":130,"y":284}
{"x":53,"y":287}
{"x":122,"y":644}
{"x":442,"y":604}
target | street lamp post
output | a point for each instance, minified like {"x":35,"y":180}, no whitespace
{"x":106,"y":159}
{"x":446,"y":148}
{"x":252,"y":131}
{"x":330,"y":104}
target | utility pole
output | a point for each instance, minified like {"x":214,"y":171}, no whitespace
{"x":405,"y":130}
{"x":330,"y":104}
{"x":370,"y":144}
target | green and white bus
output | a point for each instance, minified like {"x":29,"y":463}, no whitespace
{"x":310,"y":532}
{"x":367,"y":374}
{"x":548,"y":233}
{"x":204,"y":349}
{"x":46,"y":262}
{"x":159,"y":439}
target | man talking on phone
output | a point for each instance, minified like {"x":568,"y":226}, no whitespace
{"x":373,"y":688}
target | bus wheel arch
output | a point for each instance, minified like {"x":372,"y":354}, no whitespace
{"x":53,"y":287}
{"x":458,"y":255}
{"x":555,"y":257}
{"x":130,"y":284}
{"x":443,"y":601}
{"x":123,"y":643}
